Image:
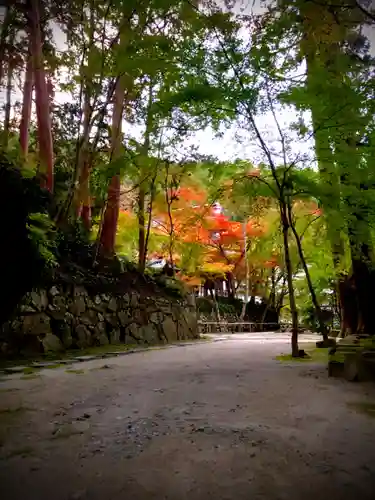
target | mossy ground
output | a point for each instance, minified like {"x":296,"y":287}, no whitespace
{"x":30,"y":376}
{"x":19,"y":410}
{"x":76,"y":372}
{"x":347,"y":346}
{"x":66,"y":355}
{"x":73,"y":353}
{"x":363,"y":407}
{"x":29,"y":370}
{"x":315,"y":355}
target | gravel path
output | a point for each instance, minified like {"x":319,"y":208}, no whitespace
{"x":220,"y":420}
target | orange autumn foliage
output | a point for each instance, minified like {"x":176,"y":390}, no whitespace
{"x":197,"y":222}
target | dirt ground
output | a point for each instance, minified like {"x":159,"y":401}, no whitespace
{"x":221,"y":420}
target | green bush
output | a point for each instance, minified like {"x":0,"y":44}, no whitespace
{"x":42,"y":234}
{"x":28,"y":235}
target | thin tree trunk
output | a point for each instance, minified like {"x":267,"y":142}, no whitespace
{"x":243,"y":312}
{"x":8,"y":99}
{"x":141,"y":229}
{"x":149,"y":222}
{"x":84,"y":210}
{"x":3,"y":38}
{"x":271,"y":297}
{"x":41,"y":96}
{"x":142,"y":191}
{"x":216,"y":307}
{"x":264,"y":315}
{"x":280,"y":300}
{"x":26,"y":107}
{"x":82,"y":199}
{"x":171,"y":227}
{"x":273,"y":285}
{"x":83,"y":156}
{"x":288,"y":266}
{"x":314,"y":298}
{"x":64,"y":211}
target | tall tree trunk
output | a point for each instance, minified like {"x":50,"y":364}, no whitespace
{"x":142,"y":257}
{"x":82,"y":198}
{"x":8,"y":98}
{"x":149,"y":222}
{"x":280,"y":299}
{"x":289,"y":270}
{"x":273,"y":288}
{"x":325,"y":32}
{"x":169,"y":201}
{"x":26,"y":107}
{"x":141,"y":229}
{"x":358,"y":227}
{"x":3,"y":38}
{"x":329,"y":176}
{"x":84,"y":211}
{"x":216,"y":306}
{"x":247,"y":277}
{"x":314,"y":298}
{"x":361,"y":257}
{"x":271,"y":301}
{"x":111,"y":212}
{"x":110,"y":218}
{"x":41,"y":95}
{"x":316,"y":47}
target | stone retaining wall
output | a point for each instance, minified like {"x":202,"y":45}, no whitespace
{"x":69,"y":316}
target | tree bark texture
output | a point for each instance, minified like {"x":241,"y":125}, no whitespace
{"x":41,"y":95}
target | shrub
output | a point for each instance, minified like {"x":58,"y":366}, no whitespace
{"x":27,"y":235}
